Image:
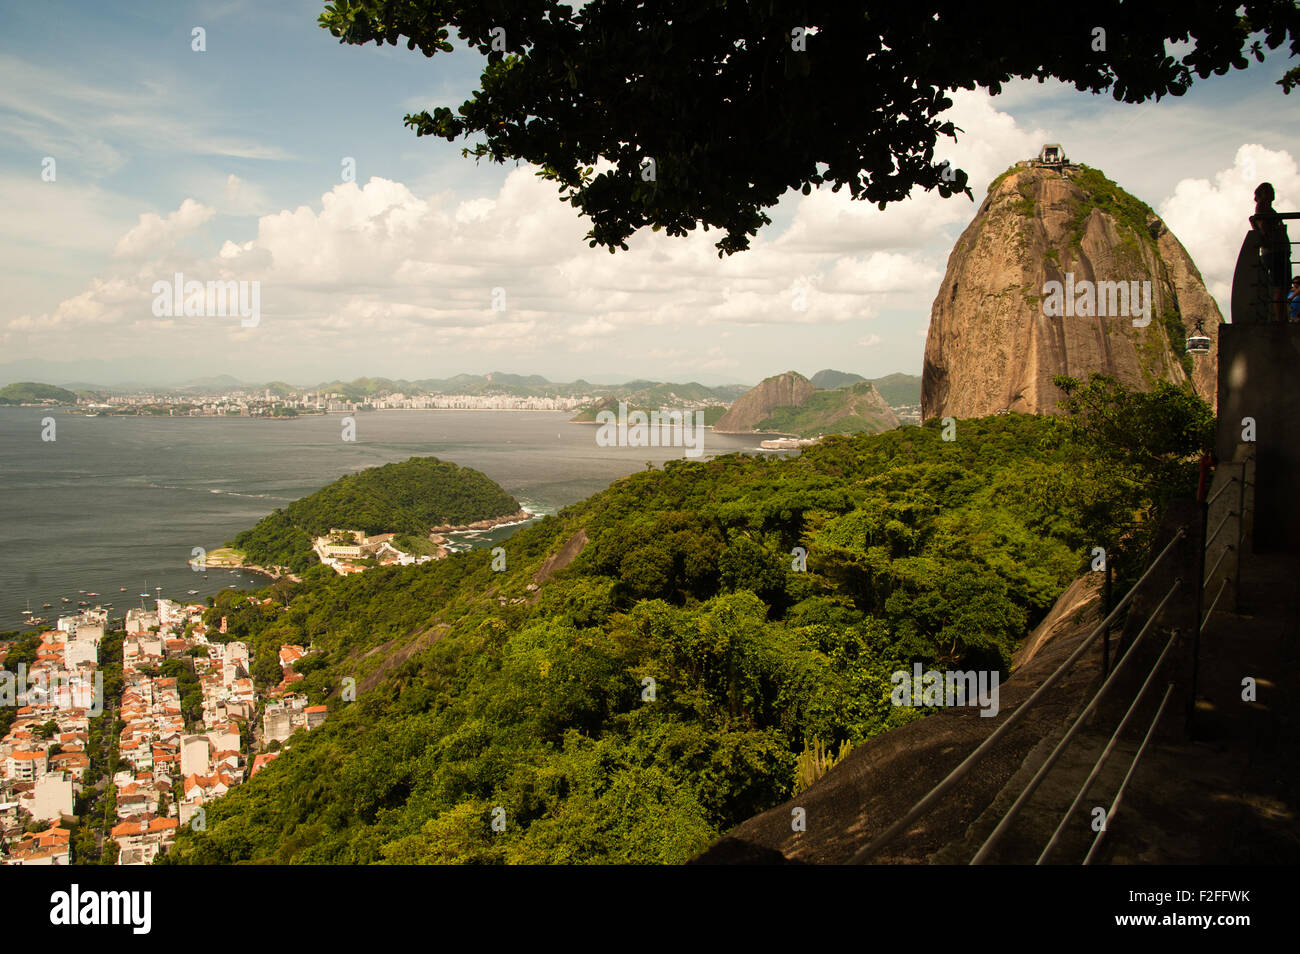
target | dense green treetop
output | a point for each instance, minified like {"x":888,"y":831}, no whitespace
{"x":737,"y":103}
{"x":408,"y":497}
{"x":33,"y":392}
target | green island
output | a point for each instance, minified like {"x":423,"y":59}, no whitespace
{"x":32,"y":392}
{"x":408,"y":499}
{"x":688,"y":647}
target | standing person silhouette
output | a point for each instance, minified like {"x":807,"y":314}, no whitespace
{"x":1274,"y":250}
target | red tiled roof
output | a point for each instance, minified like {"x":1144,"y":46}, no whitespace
{"x":128,"y":828}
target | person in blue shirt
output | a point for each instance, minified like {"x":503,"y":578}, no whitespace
{"x":1294,"y":298}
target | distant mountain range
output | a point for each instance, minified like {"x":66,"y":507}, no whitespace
{"x":863,"y":405}
{"x":898,"y":390}
{"x":141,"y":374}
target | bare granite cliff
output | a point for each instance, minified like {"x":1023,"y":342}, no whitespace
{"x":758,"y":403}
{"x":791,"y":404}
{"x":999,"y":331}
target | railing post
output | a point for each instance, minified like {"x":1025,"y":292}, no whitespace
{"x":1106,"y":608}
{"x":1200,"y":610}
{"x":1241,"y":536}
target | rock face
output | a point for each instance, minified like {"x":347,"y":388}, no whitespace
{"x":758,"y":403}
{"x":790,"y":404}
{"x":999,"y":332}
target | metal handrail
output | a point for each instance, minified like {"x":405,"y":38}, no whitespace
{"x":1032,"y":785}
{"x":1210,"y":611}
{"x":1114,"y":805}
{"x":1110,"y":745}
{"x":956,"y":775}
{"x":1215,"y":496}
{"x":1228,"y":516}
{"x":1209,"y":576}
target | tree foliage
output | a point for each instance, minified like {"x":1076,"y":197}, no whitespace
{"x":409,"y":497}
{"x":663,"y":686}
{"x":737,"y":103}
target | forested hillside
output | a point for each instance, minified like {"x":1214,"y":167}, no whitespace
{"x":660,"y":688}
{"x":32,"y":392}
{"x":846,"y":410}
{"x":408,"y":497}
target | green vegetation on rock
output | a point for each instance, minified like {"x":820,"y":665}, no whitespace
{"x":898,"y":389}
{"x":841,"y":411}
{"x":1102,"y":193}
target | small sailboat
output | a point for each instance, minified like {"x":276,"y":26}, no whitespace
{"x":46,"y":605}
{"x":28,"y":611}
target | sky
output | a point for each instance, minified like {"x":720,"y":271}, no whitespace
{"x":230,"y":164}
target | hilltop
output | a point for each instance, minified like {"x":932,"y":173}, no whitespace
{"x":858,"y":407}
{"x":998,"y":335}
{"x":829,"y":379}
{"x":789,"y":403}
{"x":32,"y":392}
{"x":409,"y":498}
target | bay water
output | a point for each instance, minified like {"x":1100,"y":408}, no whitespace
{"x":116,"y":505}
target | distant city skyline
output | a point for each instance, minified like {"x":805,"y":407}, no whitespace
{"x":279,"y":157}
{"x":137,"y":372}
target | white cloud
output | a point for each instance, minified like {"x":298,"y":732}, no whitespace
{"x":383,"y":274}
{"x":154,"y":234}
{"x":1210,"y":218}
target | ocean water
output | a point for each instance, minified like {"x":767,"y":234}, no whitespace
{"x":116,"y":506}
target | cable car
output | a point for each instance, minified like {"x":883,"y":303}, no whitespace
{"x":1198,"y":342}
